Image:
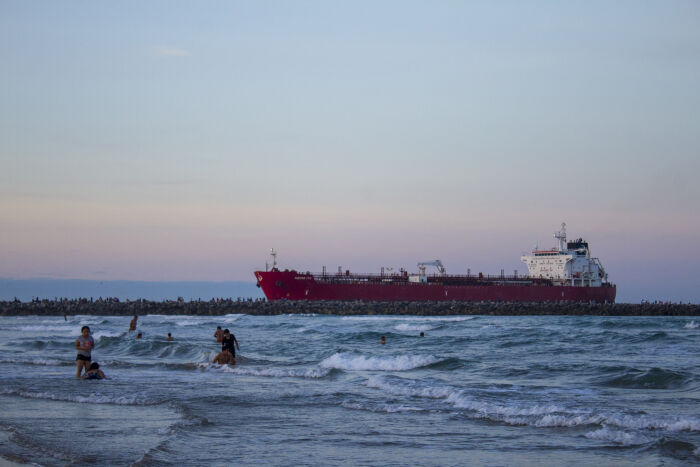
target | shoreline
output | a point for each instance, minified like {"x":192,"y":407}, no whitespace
{"x":113,"y":307}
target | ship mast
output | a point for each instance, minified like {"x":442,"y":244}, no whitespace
{"x":561,"y":236}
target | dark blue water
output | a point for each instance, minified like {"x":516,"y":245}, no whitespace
{"x":318,"y":390}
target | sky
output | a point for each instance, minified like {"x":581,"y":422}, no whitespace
{"x":180,"y":141}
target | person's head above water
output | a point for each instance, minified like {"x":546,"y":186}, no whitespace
{"x":138,"y":336}
{"x":85,"y":331}
{"x":94,"y":366}
{"x":219,"y":328}
{"x":226,"y":331}
{"x":422,"y":334}
{"x":169,"y":335}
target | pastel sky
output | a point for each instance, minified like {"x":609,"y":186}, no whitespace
{"x":168,"y":140}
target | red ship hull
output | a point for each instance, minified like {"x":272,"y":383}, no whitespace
{"x":293,"y":285}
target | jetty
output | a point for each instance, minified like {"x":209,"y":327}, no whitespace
{"x":261,"y":307}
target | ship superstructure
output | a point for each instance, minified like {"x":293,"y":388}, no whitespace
{"x":569,"y":263}
{"x":564,"y":273}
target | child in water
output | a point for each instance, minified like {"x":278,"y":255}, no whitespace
{"x":84,"y":345}
{"x":94,"y":372}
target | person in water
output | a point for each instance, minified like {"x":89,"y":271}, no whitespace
{"x":219,"y":334}
{"x":84,"y":345}
{"x":422,"y":334}
{"x":94,"y":372}
{"x":139,"y":336}
{"x":224,"y":358}
{"x":170,"y":337}
{"x":228,"y":342}
{"x":382,"y":340}
{"x":132,"y":324}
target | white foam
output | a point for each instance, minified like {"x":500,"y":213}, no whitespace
{"x":41,"y":329}
{"x":408,"y":318}
{"x":355,"y":362}
{"x":381,"y":408}
{"x":617,"y":437}
{"x":691,"y":325}
{"x":269,"y":372}
{"x":413,"y":327}
{"x":131,"y":399}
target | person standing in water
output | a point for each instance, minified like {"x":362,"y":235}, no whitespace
{"x":228,"y":341}
{"x":219,"y":334}
{"x":132,"y":324}
{"x":84,"y":345}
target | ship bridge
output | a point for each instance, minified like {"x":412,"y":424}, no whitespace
{"x":568,"y":263}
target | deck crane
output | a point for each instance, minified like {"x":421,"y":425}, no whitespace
{"x":437,"y":263}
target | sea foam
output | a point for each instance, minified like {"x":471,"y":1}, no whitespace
{"x":356,"y":362}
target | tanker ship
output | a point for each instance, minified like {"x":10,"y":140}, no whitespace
{"x":564,"y":273}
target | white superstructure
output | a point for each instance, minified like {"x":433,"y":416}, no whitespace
{"x":569,"y":263}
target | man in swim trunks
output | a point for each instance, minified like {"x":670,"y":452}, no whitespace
{"x":83,"y":345}
{"x":132,"y":324}
{"x":219,"y":334}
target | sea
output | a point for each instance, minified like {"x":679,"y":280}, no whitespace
{"x":317,"y":390}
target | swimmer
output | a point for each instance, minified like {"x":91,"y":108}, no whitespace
{"x":94,"y":372}
{"x":132,"y":324}
{"x":83,"y":345}
{"x":382,"y":340}
{"x":139,"y":336}
{"x":170,"y":337}
{"x":219,"y":334}
{"x":422,"y":334}
{"x":225,"y":358}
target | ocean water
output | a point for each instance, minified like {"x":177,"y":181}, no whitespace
{"x":321,"y":390}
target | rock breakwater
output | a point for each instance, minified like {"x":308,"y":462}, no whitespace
{"x":114,"y":307}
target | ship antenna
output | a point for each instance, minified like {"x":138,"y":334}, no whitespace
{"x":273,"y":253}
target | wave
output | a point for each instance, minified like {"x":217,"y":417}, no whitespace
{"x":413,"y":327}
{"x":40,"y":362}
{"x":408,"y":318}
{"x":131,"y":399}
{"x":691,"y":325}
{"x":618,"y":437}
{"x":536,"y":415}
{"x":654,"y":378}
{"x":356,"y":362}
{"x":381,"y":408}
{"x":313,"y":373}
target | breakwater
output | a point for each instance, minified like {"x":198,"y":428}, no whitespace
{"x":113,"y":307}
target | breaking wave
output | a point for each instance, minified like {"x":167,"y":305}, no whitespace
{"x":131,"y":399}
{"x":356,"y":362}
{"x":269,"y":372}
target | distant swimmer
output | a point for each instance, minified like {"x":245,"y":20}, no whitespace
{"x":94,"y":372}
{"x":84,"y":345}
{"x":224,"y":358}
{"x":132,"y":324}
{"x":382,"y":340}
{"x":170,"y":337}
{"x":422,"y":334}
{"x":139,"y":335}
{"x":219,"y":334}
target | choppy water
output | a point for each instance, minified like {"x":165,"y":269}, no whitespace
{"x":319,"y":390}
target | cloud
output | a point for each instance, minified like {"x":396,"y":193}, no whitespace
{"x":170,"y":52}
